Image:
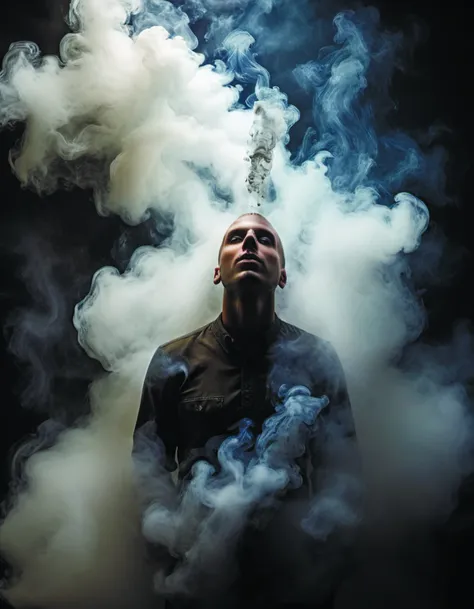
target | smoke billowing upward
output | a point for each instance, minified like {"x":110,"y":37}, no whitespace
{"x":264,"y":136}
{"x":160,"y":133}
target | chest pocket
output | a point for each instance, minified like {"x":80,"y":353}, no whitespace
{"x":202,"y":406}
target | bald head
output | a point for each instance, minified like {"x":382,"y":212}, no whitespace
{"x":251,"y":257}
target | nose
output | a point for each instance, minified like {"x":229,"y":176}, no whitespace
{"x":250,"y":241}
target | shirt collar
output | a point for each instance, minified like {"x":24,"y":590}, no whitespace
{"x":228,"y":343}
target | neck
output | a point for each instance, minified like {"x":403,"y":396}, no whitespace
{"x":244,"y":315}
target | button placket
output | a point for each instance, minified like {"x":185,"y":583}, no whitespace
{"x":247,"y":389}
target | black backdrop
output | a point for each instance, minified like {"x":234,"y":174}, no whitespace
{"x":72,"y":242}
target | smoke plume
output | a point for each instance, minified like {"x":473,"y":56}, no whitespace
{"x":156,"y":123}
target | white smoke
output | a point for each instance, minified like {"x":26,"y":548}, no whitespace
{"x":148,"y":126}
{"x":266,"y":131}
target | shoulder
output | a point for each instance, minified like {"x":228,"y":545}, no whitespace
{"x":179,"y":346}
{"x":170,"y":357}
{"x":302,"y":339}
{"x":317,"y":366}
{"x":310,"y":350}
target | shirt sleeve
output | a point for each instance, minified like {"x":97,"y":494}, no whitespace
{"x":339,"y":410}
{"x":159,"y":401}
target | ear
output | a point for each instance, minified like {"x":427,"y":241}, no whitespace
{"x":283,"y":279}
{"x":217,"y":275}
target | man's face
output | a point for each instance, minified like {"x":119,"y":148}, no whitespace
{"x":251,"y":256}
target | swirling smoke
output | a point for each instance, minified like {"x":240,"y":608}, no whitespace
{"x":155,"y":129}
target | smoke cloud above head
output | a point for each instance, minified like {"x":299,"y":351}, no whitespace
{"x":130,"y":111}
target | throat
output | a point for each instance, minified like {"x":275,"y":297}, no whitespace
{"x":247,"y":319}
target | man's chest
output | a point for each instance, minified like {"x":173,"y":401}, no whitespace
{"x":218,"y":393}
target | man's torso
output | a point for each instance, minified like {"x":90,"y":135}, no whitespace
{"x":216,"y":383}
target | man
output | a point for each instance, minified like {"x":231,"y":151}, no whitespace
{"x":198,"y":387}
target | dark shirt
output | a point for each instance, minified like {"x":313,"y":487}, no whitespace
{"x":198,"y":387}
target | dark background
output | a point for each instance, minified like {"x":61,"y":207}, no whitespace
{"x":66,"y":242}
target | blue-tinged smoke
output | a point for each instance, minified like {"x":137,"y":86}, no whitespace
{"x":203,"y":531}
{"x":342,"y":91}
{"x":349,"y":82}
{"x":166,"y":14}
{"x":157,"y":130}
{"x":283,"y":438}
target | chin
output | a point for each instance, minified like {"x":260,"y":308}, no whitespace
{"x":250,"y":275}
{"x":247,"y":280}
{"x":251,"y":281}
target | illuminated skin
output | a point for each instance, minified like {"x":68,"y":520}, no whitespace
{"x":251,"y":267}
